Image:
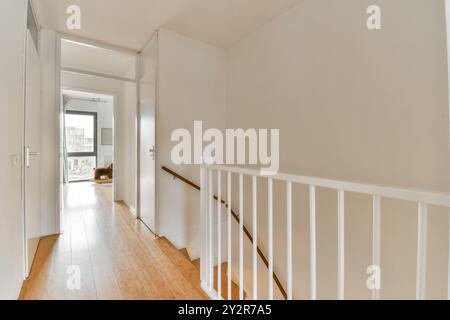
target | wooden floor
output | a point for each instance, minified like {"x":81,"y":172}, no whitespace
{"x":117,"y":255}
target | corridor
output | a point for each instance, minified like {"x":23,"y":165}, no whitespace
{"x":116,"y":255}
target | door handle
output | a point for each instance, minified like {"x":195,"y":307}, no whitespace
{"x":29,"y":154}
{"x":153,"y":152}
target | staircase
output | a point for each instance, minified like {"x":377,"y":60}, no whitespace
{"x":180,"y":261}
{"x":213,"y":208}
{"x":191,"y":269}
{"x":235,"y":294}
{"x":211,"y":203}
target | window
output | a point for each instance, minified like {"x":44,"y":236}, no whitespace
{"x":81,"y":144}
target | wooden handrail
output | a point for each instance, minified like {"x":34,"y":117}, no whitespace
{"x":236,"y":218}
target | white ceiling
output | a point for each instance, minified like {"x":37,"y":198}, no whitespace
{"x":94,"y":59}
{"x":130,"y":23}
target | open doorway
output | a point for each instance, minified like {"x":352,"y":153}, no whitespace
{"x":88,"y":141}
{"x":98,"y":127}
{"x":88,"y":149}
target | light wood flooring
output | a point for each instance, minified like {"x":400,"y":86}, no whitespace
{"x":118,"y":257}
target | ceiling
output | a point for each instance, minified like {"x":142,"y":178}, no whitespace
{"x":130,"y":23}
{"x":85,"y":57}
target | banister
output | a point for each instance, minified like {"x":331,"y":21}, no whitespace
{"x":236,"y":218}
{"x":399,"y":193}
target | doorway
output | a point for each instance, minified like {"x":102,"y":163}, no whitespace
{"x":88,"y":141}
{"x":88,"y":68}
{"x":88,"y":148}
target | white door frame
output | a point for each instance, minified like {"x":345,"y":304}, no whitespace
{"x":58,"y":90}
{"x":154,"y":37}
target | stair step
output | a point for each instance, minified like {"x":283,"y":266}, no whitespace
{"x":185,"y":253}
{"x":191,"y":269}
{"x":196,"y":263}
{"x":224,"y":280}
{"x":181,"y":285}
{"x":184,"y":265}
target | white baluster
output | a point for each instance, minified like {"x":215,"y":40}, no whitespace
{"x":376,"y":241}
{"x":289,"y":240}
{"x":341,"y":245}
{"x":312,"y":242}
{"x":255,"y":240}
{"x":241,"y":237}
{"x":229,"y":234}
{"x":270,"y":236}
{"x":422,"y":224}
{"x":204,"y":226}
{"x":210,"y":230}
{"x":219,"y":233}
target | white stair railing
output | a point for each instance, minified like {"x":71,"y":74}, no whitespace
{"x":208,"y":197}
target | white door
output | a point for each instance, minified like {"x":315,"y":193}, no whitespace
{"x":147,"y":125}
{"x":32,"y":153}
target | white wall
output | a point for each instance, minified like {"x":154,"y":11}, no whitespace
{"x":352,"y":104}
{"x":192,"y":86}
{"x":128,"y":136}
{"x":12,"y":58}
{"x":105,"y":119}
